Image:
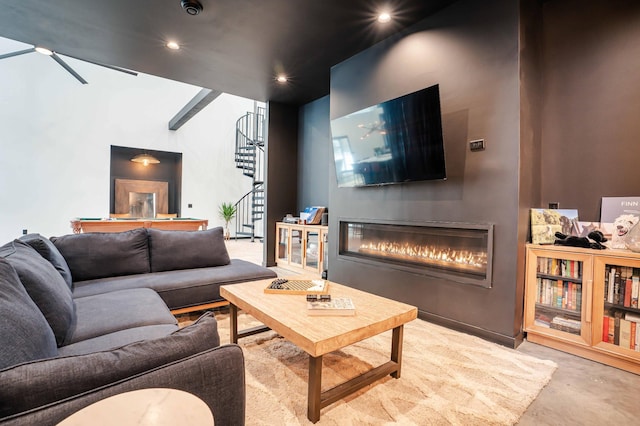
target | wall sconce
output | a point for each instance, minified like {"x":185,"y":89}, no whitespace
{"x":145,"y":159}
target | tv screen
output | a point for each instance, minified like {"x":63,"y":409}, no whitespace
{"x":396,"y":141}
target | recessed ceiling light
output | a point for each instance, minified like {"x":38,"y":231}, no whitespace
{"x":384,"y":17}
{"x":44,"y":51}
{"x":282,"y":78}
{"x":173,"y":45}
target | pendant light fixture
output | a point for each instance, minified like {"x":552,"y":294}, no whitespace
{"x":145,"y":159}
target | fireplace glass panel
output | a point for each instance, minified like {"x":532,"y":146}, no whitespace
{"x":457,"y":251}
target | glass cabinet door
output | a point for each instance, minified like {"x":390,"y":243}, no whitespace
{"x":282,"y":250}
{"x":312,"y":250}
{"x":560,"y":302}
{"x":616,"y":313}
{"x":297,"y":246}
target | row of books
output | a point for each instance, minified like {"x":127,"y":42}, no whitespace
{"x":561,"y":267}
{"x":557,"y":322}
{"x":622,"y":329}
{"x":559,"y":294}
{"x":622,"y":286}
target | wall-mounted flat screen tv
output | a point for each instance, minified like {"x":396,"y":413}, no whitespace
{"x":396,"y":141}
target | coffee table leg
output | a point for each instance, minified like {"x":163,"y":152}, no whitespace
{"x":315,"y":386}
{"x":233,"y":317}
{"x":396,"y":349}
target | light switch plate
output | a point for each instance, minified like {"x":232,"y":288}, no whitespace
{"x":477,"y":145}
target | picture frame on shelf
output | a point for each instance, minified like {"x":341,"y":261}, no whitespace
{"x":546,"y":222}
{"x":617,"y":216}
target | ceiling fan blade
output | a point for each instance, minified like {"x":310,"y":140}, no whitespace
{"x":111,"y":67}
{"x":59,"y":60}
{"x":16,"y":53}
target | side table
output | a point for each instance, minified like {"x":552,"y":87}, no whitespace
{"x":146,"y":407}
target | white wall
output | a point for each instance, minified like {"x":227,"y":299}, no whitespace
{"x":55,"y":138}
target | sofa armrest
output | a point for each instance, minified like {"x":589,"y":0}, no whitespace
{"x":216,"y":376}
{"x":35,"y":384}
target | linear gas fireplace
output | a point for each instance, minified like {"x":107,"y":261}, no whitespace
{"x":456,"y":251}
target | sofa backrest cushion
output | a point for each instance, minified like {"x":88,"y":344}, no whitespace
{"x":25,"y":334}
{"x":45,"y":247}
{"x":34,"y":384}
{"x":173,"y":250}
{"x":44,"y":285}
{"x":105,"y":254}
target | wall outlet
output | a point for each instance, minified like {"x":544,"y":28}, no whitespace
{"x":25,"y":232}
{"x":554,"y":205}
{"x":477,"y":145}
{"x":189,"y":206}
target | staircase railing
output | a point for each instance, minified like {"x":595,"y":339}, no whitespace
{"x":249,"y":210}
{"x":249,"y":157}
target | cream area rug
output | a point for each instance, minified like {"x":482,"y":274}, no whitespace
{"x":448,"y":378}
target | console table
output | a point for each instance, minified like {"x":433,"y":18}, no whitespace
{"x":80,"y":225}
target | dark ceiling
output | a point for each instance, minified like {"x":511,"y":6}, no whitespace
{"x":234,"y":46}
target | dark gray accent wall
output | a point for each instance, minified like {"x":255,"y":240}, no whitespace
{"x":281,"y":181}
{"x":315,"y":154}
{"x":471,"y":50}
{"x":591,"y":121}
{"x":530,"y":46}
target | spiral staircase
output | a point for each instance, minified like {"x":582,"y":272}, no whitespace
{"x":249,"y":157}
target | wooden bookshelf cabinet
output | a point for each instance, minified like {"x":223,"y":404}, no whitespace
{"x":301,"y":248}
{"x":570,"y":303}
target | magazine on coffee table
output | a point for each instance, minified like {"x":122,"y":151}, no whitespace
{"x":339,"y":306}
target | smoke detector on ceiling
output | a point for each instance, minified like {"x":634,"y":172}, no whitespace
{"x":192,"y":7}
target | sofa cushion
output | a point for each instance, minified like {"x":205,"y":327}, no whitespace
{"x":171,"y":250}
{"x":181,"y":288}
{"x":45,"y":285}
{"x":105,"y":254}
{"x":45,"y":247}
{"x":25,"y":334}
{"x":73,"y":375}
{"x":116,"y":311}
{"x":117,"y":339}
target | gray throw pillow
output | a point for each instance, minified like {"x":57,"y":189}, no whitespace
{"x":43,"y":382}
{"x":173,"y":250}
{"x":105,"y":254}
{"x":44,"y":285}
{"x":25,"y":334}
{"x":45,"y":247}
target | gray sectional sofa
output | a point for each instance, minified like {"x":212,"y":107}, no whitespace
{"x":87,"y":316}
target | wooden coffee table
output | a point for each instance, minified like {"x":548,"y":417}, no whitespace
{"x":318,"y":335}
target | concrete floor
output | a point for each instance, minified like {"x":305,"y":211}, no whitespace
{"x":581,"y":392}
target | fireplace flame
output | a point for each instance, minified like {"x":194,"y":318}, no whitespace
{"x":445,"y":257}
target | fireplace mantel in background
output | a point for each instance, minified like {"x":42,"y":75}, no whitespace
{"x":123,"y":187}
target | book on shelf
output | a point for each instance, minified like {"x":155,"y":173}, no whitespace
{"x":625,"y":333}
{"x":612,"y":330}
{"x":616,"y":288}
{"x":566,"y":324}
{"x":605,"y":328}
{"x":339,"y":306}
{"x":612,"y":273}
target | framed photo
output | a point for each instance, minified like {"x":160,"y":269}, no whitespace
{"x":617,"y":216}
{"x":546,"y":222}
